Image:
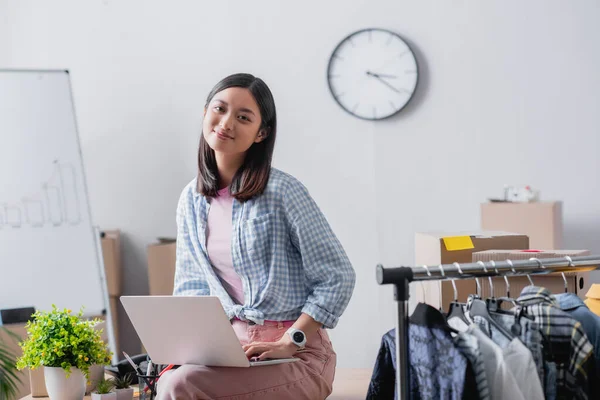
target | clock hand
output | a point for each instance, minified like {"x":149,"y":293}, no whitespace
{"x":380,"y":75}
{"x":383,"y":81}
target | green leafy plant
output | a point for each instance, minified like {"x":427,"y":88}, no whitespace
{"x":8,"y":370}
{"x":59,"y":339}
{"x":104,"y":386}
{"x":123,"y":382}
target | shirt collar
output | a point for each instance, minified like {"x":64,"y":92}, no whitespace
{"x":569,"y":301}
{"x":426,"y":315}
{"x":536,"y":295}
{"x":195,"y":188}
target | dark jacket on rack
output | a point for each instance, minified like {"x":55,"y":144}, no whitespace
{"x":437,"y":369}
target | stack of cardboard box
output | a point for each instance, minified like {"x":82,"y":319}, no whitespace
{"x":161,"y":266}
{"x":541,"y":221}
{"x":111,"y":253}
{"x":437,"y":248}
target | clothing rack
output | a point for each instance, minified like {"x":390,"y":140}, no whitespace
{"x":400,"y":277}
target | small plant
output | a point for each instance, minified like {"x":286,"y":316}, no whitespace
{"x":59,"y":339}
{"x":123,"y":382}
{"x":104,"y":386}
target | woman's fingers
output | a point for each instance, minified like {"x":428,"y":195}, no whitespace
{"x":265,"y":355}
{"x":246,"y":346}
{"x":254,"y":349}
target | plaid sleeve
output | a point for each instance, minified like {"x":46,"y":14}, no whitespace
{"x":189,"y":278}
{"x":581,"y":364}
{"x":327,"y":269}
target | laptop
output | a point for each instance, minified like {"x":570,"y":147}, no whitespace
{"x":188,"y":330}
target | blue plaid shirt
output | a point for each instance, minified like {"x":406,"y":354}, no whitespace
{"x":283,"y":249}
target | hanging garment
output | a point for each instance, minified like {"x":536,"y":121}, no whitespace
{"x":503,"y":385}
{"x":572,"y":304}
{"x":529,"y":334}
{"x":458,"y":324}
{"x":566,"y":344}
{"x":383,"y":379}
{"x":437,"y":369}
{"x":520,"y":363}
{"x":550,"y":374}
{"x":469,"y":347}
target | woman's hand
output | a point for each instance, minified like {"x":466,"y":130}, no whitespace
{"x":283,"y":348}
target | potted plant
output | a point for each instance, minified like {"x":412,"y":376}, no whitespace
{"x":122,"y":387}
{"x":66,"y":346}
{"x":104,"y":390}
{"x":8,"y":376}
{"x":95,"y":375}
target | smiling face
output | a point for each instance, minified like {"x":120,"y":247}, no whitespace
{"x":232,"y":121}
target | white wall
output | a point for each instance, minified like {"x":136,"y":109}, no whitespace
{"x":508,"y":94}
{"x":4,"y":30}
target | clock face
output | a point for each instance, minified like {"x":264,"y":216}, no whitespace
{"x":372,"y":74}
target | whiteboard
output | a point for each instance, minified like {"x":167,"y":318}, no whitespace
{"x":48,"y":246}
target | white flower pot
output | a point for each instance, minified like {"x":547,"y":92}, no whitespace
{"x":124,"y":394}
{"x":96,"y":375}
{"x":60,"y":387}
{"x":107,"y":396}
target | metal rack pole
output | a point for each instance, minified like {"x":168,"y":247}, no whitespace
{"x":400,"y":277}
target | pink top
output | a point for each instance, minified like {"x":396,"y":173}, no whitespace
{"x":218,"y":244}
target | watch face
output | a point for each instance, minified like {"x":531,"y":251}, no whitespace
{"x":298,"y":337}
{"x":372,"y":74}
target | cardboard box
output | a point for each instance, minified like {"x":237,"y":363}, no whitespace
{"x":446,"y":248}
{"x":114,"y":309}
{"x":542,"y":221}
{"x":577,"y":282}
{"x":111,"y":252}
{"x":161,"y":267}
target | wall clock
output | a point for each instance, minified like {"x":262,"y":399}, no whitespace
{"x":372,"y":74}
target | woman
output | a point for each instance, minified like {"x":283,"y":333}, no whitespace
{"x":252,"y":235}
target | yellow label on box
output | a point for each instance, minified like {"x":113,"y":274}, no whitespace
{"x":454,"y":243}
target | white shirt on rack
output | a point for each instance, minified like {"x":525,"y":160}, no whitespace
{"x":502,"y":383}
{"x":520,"y":363}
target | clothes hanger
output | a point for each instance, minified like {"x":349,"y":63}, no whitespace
{"x":530,"y":280}
{"x":563,"y":274}
{"x":422,"y":284}
{"x":478,"y":294}
{"x":492,"y":302}
{"x":479,"y":308}
{"x":507,"y":298}
{"x":516,"y":311}
{"x":456,"y":308}
{"x":479,"y":291}
{"x":540,"y":265}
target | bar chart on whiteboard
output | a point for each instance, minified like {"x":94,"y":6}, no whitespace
{"x":48,"y":245}
{"x":57,"y":202}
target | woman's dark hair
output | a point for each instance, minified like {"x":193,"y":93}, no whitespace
{"x":251,"y":178}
